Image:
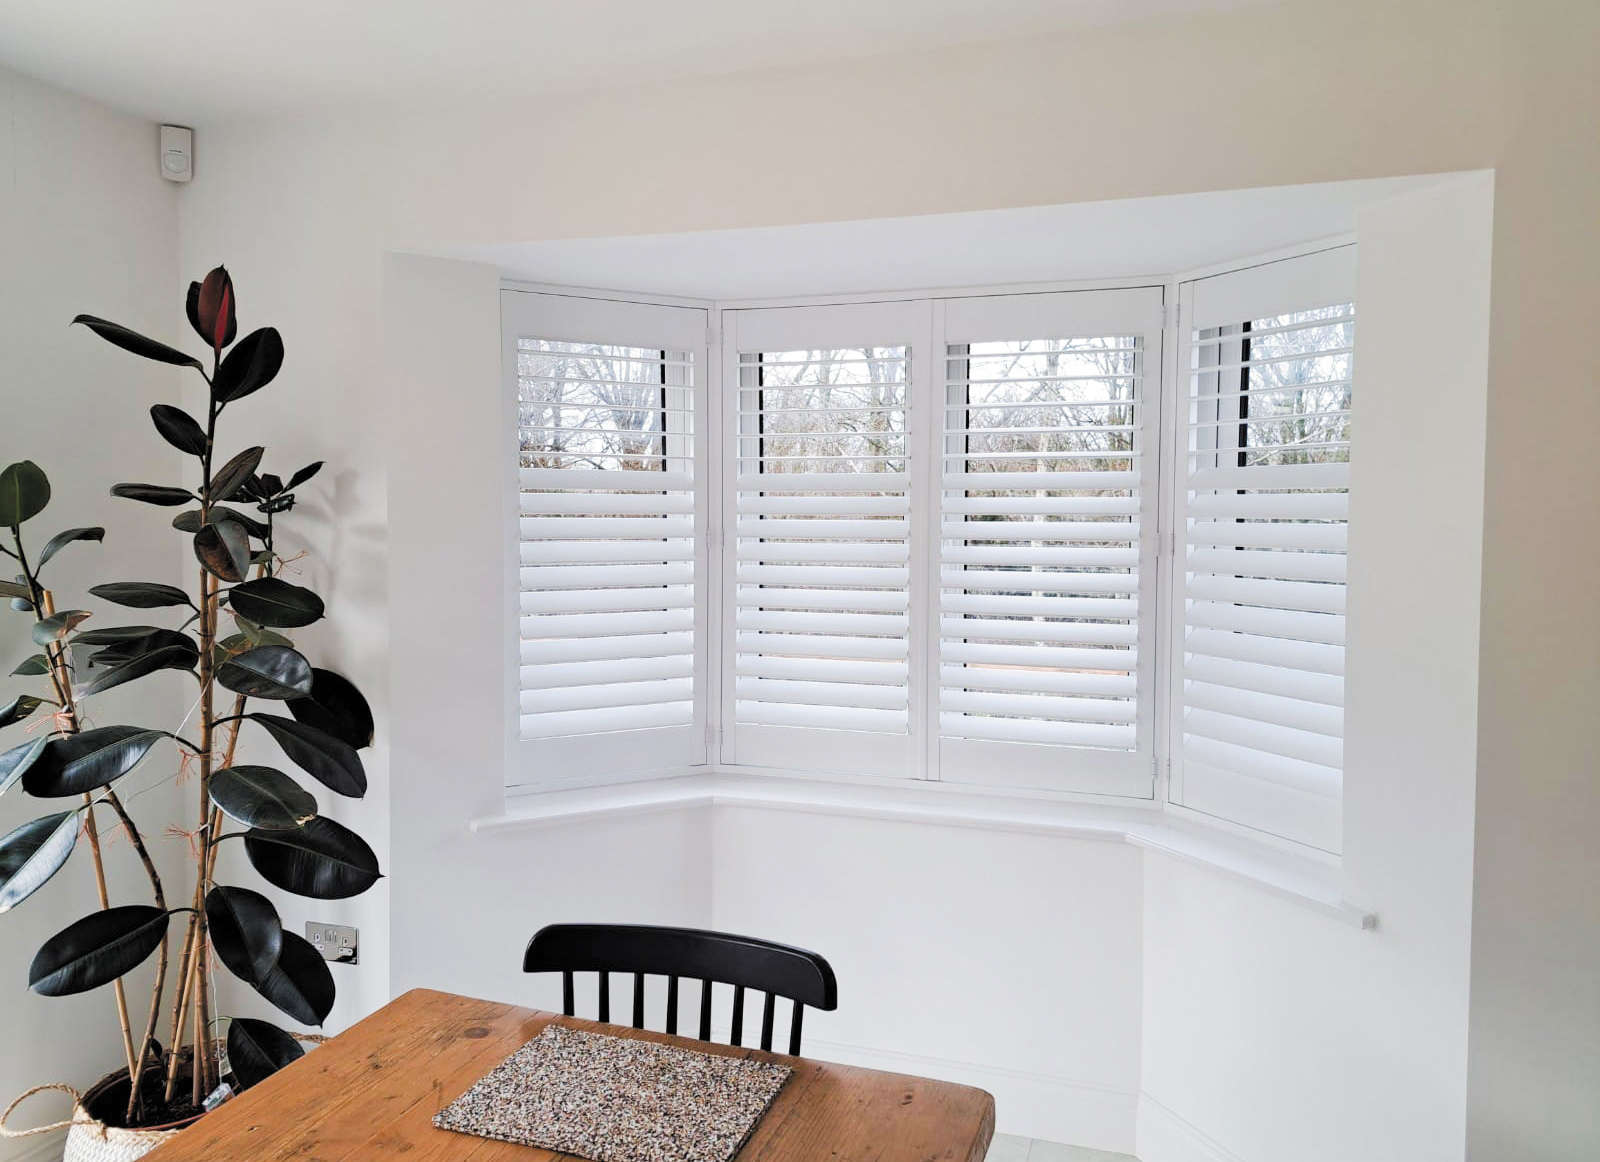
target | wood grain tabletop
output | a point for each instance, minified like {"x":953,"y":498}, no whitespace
{"x":372,"y":1092}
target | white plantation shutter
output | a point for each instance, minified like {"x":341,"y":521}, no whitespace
{"x":821,"y":539}
{"x":608,"y":535}
{"x":1046,"y":519}
{"x":1265,"y":446}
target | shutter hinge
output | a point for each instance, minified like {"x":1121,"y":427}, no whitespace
{"x":713,"y":336}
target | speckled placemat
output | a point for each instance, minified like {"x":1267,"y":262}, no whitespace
{"x":616,"y":1099}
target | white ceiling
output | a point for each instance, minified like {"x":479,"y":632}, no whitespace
{"x":1135,"y":237}
{"x":198,"y":61}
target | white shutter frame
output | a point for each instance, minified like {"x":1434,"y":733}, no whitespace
{"x":609,"y":607}
{"x":1057,"y":704}
{"x":826,"y":679}
{"x":1256,"y":660}
{"x":1302,"y":283}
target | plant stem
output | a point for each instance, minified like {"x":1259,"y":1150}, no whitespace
{"x":135,"y":1090}
{"x":61,"y":680}
{"x":202,"y":1080}
{"x":208,"y":634}
{"x":92,"y":832}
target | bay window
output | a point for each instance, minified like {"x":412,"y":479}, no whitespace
{"x":1079,"y":542}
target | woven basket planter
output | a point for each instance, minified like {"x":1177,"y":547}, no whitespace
{"x":89,"y":1139}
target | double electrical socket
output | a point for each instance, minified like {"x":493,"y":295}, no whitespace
{"x":335,"y":942}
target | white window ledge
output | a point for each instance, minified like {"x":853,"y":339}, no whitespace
{"x":1288,"y":875}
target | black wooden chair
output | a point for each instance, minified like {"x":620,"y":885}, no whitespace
{"x":777,"y":970}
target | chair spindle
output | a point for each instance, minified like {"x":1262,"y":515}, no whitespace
{"x":705,"y":1010}
{"x":794,"y":1029}
{"x":567,"y":1006}
{"x":638,"y":1000}
{"x":605,"y":997}
{"x":766,"y":1023}
{"x":672,"y":1005}
{"x":738,"y":1016}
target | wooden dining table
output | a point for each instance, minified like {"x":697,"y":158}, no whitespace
{"x":371,"y":1093}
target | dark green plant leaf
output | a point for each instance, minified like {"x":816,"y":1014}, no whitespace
{"x":275,"y":602}
{"x":124,"y":643}
{"x":223,"y":547}
{"x":322,"y":860}
{"x":189,"y":521}
{"x":225,"y":481}
{"x":25,"y":704}
{"x":32,"y":667}
{"x":173,"y":657}
{"x":158,"y":494}
{"x":128,"y":340}
{"x":24,"y":491}
{"x":96,"y":950}
{"x":257,"y":1050}
{"x":300,"y":983}
{"x":75,"y":763}
{"x":179,"y":428}
{"x":254,"y":527}
{"x":131,"y":637}
{"x":249,"y":367}
{"x":18,"y":590}
{"x":15,"y":762}
{"x":57,"y":625}
{"x":61,"y":540}
{"x":253,"y":636}
{"x":278,"y":504}
{"x":267,"y":486}
{"x":33,"y":853}
{"x":211,"y":309}
{"x":304,"y":474}
{"x":325,"y":758}
{"x":141,"y":594}
{"x":261,"y":797}
{"x":335,"y":707}
{"x":266,"y":672}
{"x":245,"y":931}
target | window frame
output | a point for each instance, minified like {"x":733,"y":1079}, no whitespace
{"x":1167,"y":384}
{"x":1302,"y":279}
{"x":618,"y":321}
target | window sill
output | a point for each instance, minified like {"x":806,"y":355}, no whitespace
{"x":1288,"y":875}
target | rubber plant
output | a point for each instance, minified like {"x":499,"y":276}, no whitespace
{"x":247,"y":674}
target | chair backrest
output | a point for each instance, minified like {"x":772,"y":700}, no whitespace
{"x":744,"y":962}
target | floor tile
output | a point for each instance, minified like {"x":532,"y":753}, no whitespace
{"x":1056,"y":1152}
{"x":1008,"y":1148}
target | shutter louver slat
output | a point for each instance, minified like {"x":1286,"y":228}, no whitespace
{"x":822,"y":503}
{"x":607,"y":526}
{"x":1262,"y":566}
{"x":1040,"y":542}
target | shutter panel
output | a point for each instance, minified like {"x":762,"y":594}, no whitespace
{"x":1258,"y":676}
{"x":822,"y":522}
{"x":1041,"y":585}
{"x":608,"y":538}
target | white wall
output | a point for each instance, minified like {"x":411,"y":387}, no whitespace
{"x":1245,"y":993}
{"x":1326,"y":90}
{"x":86,"y":225}
{"x":1007,"y":961}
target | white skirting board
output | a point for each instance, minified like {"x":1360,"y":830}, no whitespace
{"x":1028,"y":1105}
{"x":1163,"y":1136}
